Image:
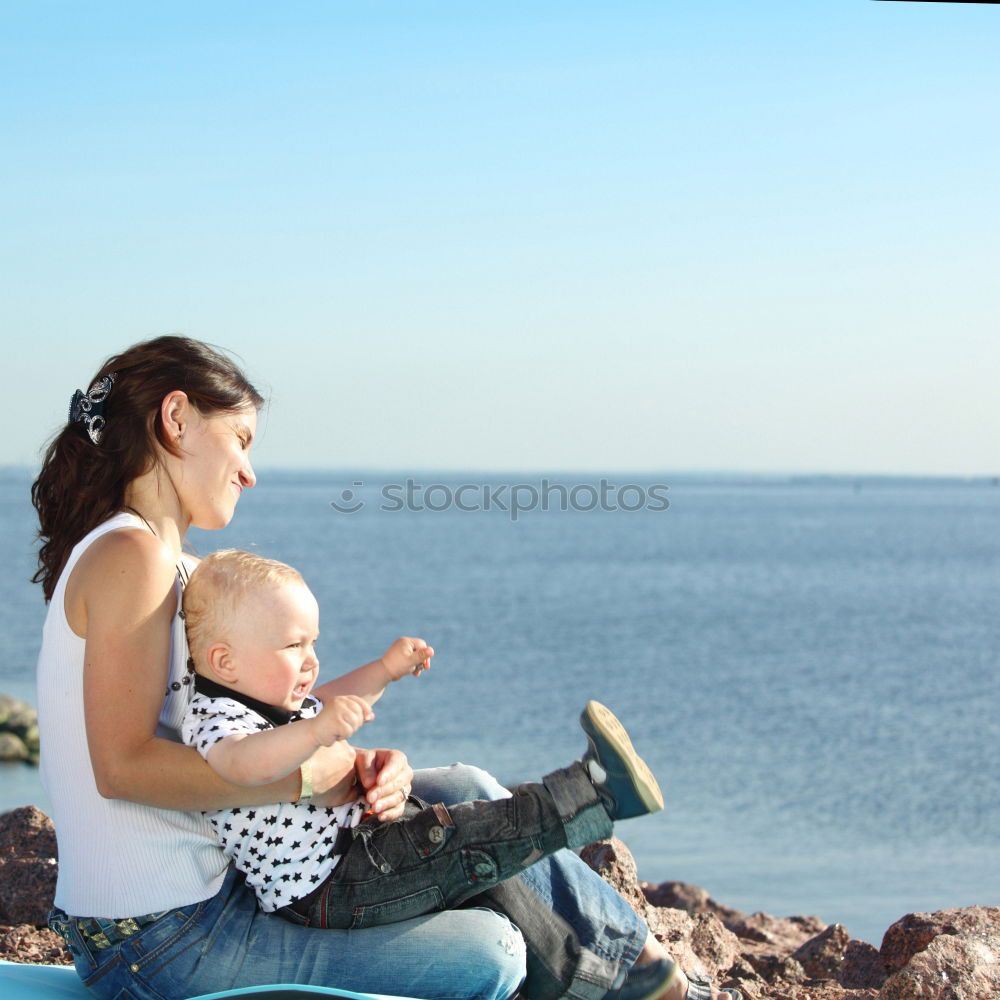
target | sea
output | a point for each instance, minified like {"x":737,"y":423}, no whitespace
{"x":810,"y":664}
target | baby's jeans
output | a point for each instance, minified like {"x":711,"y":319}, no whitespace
{"x":437,"y":857}
{"x":581,"y":936}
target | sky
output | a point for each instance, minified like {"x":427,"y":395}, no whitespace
{"x":526,"y":236}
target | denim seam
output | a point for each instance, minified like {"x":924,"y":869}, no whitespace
{"x":630,"y":951}
{"x":167,"y":948}
{"x":105,"y":968}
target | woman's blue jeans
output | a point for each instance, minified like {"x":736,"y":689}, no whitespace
{"x":477,"y":953}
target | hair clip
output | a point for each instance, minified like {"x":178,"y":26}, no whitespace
{"x":89,"y":409}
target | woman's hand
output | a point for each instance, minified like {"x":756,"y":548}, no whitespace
{"x":386,"y":777}
{"x":334,"y":779}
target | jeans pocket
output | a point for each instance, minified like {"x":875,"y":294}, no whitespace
{"x":416,"y":904}
{"x":171,"y":938}
{"x":480,"y":867}
{"x":107,"y":981}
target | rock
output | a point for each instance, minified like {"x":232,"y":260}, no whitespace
{"x":28,"y":867}
{"x":766,"y":957}
{"x":863,"y":967}
{"x":13,"y":748}
{"x":27,"y":887}
{"x":18,"y":730}
{"x":822,"y":956}
{"x":773,"y":967}
{"x":7,"y":705}
{"x":746,"y":979}
{"x":700,"y":943}
{"x":717,"y":947}
{"x":613,"y":861}
{"x":27,"y":833}
{"x":674,"y":930}
{"x":691,"y":898}
{"x":763,"y":934}
{"x":947,"y":955}
{"x":28,"y":870}
{"x":33,"y":946}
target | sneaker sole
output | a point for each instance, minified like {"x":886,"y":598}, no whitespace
{"x":599,"y":721}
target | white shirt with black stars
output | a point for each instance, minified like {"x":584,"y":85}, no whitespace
{"x":282,"y":849}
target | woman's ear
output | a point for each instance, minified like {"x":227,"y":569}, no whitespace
{"x":222,"y":663}
{"x":175,"y":411}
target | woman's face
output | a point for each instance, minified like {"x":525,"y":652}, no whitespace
{"x":215,"y":466}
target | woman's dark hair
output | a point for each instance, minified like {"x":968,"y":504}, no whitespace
{"x":82,"y":483}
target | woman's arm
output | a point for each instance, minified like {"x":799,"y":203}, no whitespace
{"x":123,"y":590}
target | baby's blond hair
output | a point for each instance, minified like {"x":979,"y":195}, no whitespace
{"x":220,"y":584}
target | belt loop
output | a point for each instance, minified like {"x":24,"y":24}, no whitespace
{"x":442,"y":814}
{"x":65,"y":926}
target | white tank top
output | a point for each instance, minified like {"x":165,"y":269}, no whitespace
{"x":116,"y":859}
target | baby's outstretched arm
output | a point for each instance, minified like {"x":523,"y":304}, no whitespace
{"x":266,"y":756}
{"x":405,"y":656}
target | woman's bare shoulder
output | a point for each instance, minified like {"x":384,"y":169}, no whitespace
{"x":126,"y":548}
{"x":126,"y":564}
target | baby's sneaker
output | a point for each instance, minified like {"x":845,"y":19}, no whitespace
{"x":645,"y":982}
{"x":621,"y":776}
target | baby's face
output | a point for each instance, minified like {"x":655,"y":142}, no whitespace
{"x":274,"y":645}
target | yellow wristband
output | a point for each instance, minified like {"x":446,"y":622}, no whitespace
{"x":306,"y":781}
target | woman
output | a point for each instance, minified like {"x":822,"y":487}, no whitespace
{"x":160,"y":442}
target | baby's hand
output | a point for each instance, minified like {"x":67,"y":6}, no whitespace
{"x":341,"y":716}
{"x":407,"y":656}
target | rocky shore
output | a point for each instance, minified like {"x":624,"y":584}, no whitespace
{"x":18,"y":730}
{"x":948,"y":955}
